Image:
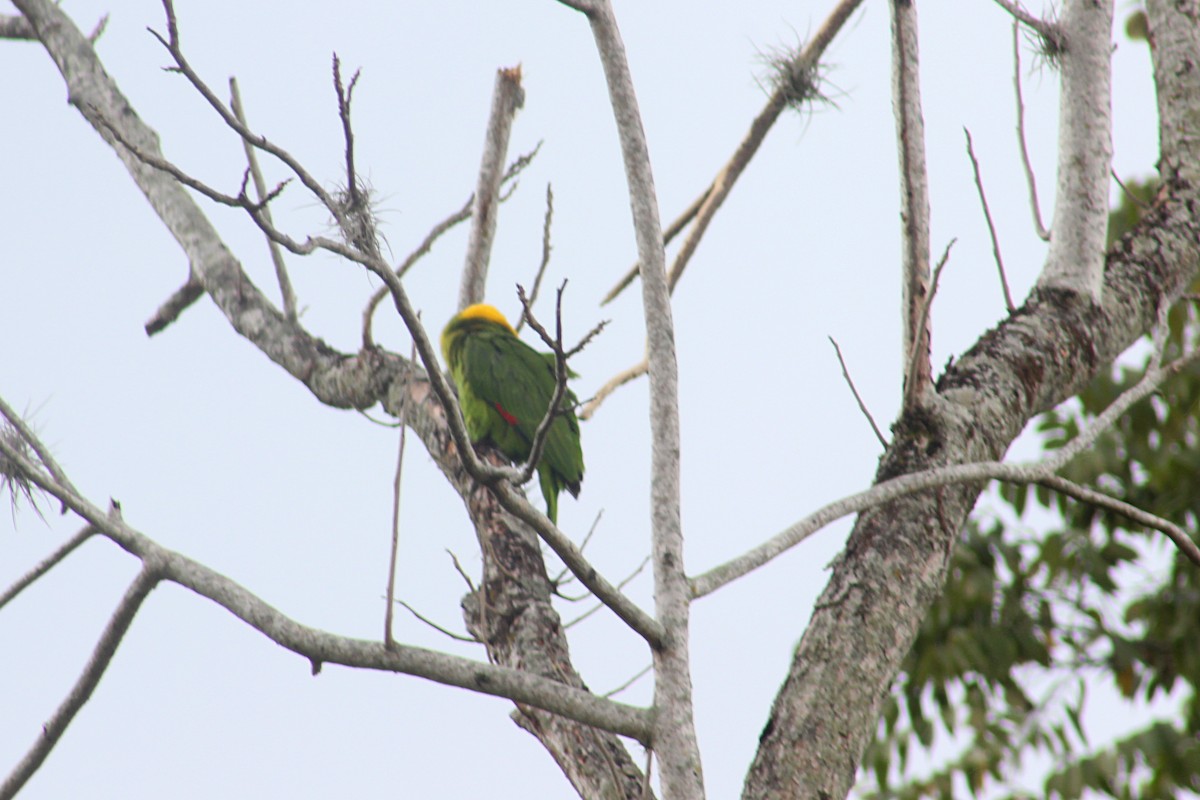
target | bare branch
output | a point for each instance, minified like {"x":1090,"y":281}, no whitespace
{"x":46,"y":564}
{"x":260,"y":189}
{"x":1075,"y":261}
{"x":405,"y":265}
{"x":857,"y":398}
{"x":507,"y":97}
{"x":1030,"y":178}
{"x":1173,"y":30}
{"x":914,"y":199}
{"x":632,"y":680}
{"x":102,"y":655}
{"x":345,"y":95}
{"x":987,"y":215}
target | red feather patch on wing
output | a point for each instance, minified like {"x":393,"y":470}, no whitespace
{"x":509,"y":418}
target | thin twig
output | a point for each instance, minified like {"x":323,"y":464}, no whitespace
{"x":507,"y":97}
{"x":102,"y":655}
{"x":858,"y":398}
{"x":923,"y":317}
{"x":624,"y":582}
{"x":462,"y":572}
{"x":987,"y":215}
{"x":622,"y":687}
{"x":673,"y":230}
{"x":1137,"y":201}
{"x":615,"y":382}
{"x":395,"y":549}
{"x":1030,"y":179}
{"x":46,"y":564}
{"x":287,"y":294}
{"x":458,"y":637}
{"x":541,"y":271}
{"x":564,"y":577}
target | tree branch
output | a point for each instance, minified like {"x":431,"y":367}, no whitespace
{"x":674,"y":733}
{"x":914,"y":199}
{"x":46,"y":564}
{"x":81,"y":692}
{"x":321,"y":647}
{"x":1076,"y":258}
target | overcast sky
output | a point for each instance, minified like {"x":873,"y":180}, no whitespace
{"x":216,"y":452}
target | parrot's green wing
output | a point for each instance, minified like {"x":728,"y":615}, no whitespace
{"x":504,"y":388}
{"x":517,"y":383}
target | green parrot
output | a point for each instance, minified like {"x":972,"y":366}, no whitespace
{"x":504,"y":389}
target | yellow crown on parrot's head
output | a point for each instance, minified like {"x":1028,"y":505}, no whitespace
{"x":482,"y":311}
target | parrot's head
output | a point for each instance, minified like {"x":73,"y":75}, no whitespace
{"x":482,"y":312}
{"x":472,"y":319}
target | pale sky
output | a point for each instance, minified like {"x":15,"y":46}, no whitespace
{"x":215,"y":452}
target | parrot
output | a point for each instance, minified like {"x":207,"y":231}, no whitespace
{"x":504,"y":388}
